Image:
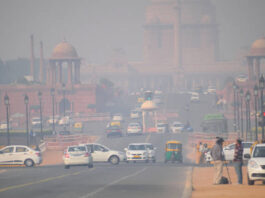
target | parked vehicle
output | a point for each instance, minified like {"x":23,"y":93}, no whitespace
{"x":151,"y":152}
{"x":134,"y":128}
{"x":135,"y":114}
{"x":114,"y":131}
{"x":20,"y":154}
{"x":35,"y":122}
{"x":256,"y":164}
{"x":50,"y":120}
{"x":162,"y":127}
{"x":117,"y":117}
{"x":177,"y":127}
{"x":137,"y":152}
{"x":76,"y":156}
{"x":173,"y":152}
{"x":101,"y":153}
{"x":194,"y":97}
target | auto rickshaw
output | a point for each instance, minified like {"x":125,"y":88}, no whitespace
{"x":173,"y":151}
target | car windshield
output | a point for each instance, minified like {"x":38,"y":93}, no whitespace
{"x":161,"y":125}
{"x":149,"y":146}
{"x":178,"y":125}
{"x":173,"y":146}
{"x":77,"y":149}
{"x":259,"y":151}
{"x":136,"y":147}
{"x":133,"y":124}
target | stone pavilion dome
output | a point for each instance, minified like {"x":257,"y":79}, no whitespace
{"x":258,"y":48}
{"x":64,"y":50}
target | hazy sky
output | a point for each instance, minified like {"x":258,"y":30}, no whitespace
{"x":96,"y":27}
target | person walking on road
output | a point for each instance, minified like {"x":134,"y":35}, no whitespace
{"x":218,"y":158}
{"x":238,"y":160}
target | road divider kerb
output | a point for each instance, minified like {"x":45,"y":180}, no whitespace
{"x":113,"y":183}
{"x":42,"y":181}
{"x":188,"y":185}
{"x":148,"y":137}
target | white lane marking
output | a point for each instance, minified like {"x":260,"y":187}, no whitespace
{"x":148,"y":137}
{"x":188,"y":185}
{"x":112,"y":183}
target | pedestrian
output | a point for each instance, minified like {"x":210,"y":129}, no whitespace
{"x":218,"y":158}
{"x":238,"y":160}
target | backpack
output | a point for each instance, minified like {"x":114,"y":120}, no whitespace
{"x":224,"y":180}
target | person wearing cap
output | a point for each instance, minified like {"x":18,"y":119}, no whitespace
{"x":218,"y":158}
{"x":238,"y":160}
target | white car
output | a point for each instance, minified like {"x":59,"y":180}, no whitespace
{"x":50,"y":120}
{"x":151,"y":152}
{"x":77,"y":155}
{"x":137,"y":152}
{"x":162,"y":127}
{"x":135,"y":114}
{"x":117,"y":117}
{"x":64,"y":121}
{"x":194,"y":97}
{"x":229,"y":150}
{"x":134,"y":128}
{"x":211,"y":90}
{"x":256,"y":164}
{"x":102,"y":153}
{"x":20,"y":154}
{"x":35,"y":122}
{"x":176,"y":127}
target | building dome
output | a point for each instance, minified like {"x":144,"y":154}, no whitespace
{"x":148,"y":106}
{"x":64,"y":50}
{"x":258,"y":48}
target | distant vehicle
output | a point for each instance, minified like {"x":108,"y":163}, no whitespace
{"x":117,"y":117}
{"x":194,"y":97}
{"x":134,"y":128}
{"x":211,"y":90}
{"x":162,"y":127}
{"x":20,"y":154}
{"x":114,"y":131}
{"x":176,"y":127}
{"x":214,"y":123}
{"x":65,"y":121}
{"x":101,"y":153}
{"x":242,"y":78}
{"x":151,"y":152}
{"x":35,"y":122}
{"x":64,"y":133}
{"x":3,"y":126}
{"x":136,"y":114}
{"x":77,"y":155}
{"x":256,"y":164}
{"x":50,"y":120}
{"x":137,"y":152}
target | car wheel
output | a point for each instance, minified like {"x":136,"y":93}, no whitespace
{"x":114,"y":160}
{"x":66,"y":166}
{"x":90,"y":165}
{"x":250,"y":182}
{"x":29,"y":163}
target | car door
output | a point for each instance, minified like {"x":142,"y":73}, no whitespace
{"x":246,"y":146}
{"x":6,"y":155}
{"x":100,"y":153}
{"x":21,"y":154}
{"x":229,"y":152}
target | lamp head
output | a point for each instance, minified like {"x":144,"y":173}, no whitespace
{"x":256,"y":90}
{"x":248,"y":96}
{"x":261,"y":82}
{"x":26,"y":99}
{"x":241,"y":92}
{"x":6,"y":99}
{"x":40,"y":95}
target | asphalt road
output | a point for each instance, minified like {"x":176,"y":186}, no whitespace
{"x":104,"y":180}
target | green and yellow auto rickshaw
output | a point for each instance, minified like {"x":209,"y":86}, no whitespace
{"x":173,"y":151}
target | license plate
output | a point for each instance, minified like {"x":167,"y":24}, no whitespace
{"x":136,"y":156}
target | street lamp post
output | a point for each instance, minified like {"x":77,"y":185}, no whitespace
{"x":26,"y":101}
{"x":40,"y":99}
{"x":63,"y":99}
{"x":234,"y":88}
{"x":237,"y":109}
{"x":247,"y":114}
{"x":261,"y":86}
{"x":6,"y":99}
{"x":241,"y":93}
{"x":256,"y":89}
{"x":53,"y":124}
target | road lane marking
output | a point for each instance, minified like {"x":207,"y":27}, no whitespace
{"x":188,"y":185}
{"x":113,"y":183}
{"x":41,"y":181}
{"x":148,"y":137}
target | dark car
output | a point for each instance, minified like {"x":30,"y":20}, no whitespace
{"x":114,"y":131}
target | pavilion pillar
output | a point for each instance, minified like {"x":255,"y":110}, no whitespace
{"x":77,"y":72}
{"x":69,"y":79}
{"x":53,"y":67}
{"x":60,"y":71}
{"x":257,"y":68}
{"x":250,"y":68}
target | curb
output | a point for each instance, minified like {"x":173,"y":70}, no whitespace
{"x":188,"y":185}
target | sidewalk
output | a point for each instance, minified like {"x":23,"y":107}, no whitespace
{"x":202,"y":180}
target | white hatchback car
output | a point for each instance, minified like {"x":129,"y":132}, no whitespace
{"x":256,"y":164}
{"x":176,"y":127}
{"x":20,"y":154}
{"x":151,"y":152}
{"x":229,"y":150}
{"x":134,"y":128}
{"x":102,"y":153}
{"x":77,"y":155}
{"x":137,"y":152}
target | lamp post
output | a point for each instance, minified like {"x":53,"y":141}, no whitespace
{"x":237,"y":109}
{"x":247,"y":114}
{"x":261,"y":86}
{"x":53,"y":124}
{"x":40,"y":100}
{"x":256,"y":89}
{"x":234,"y":88}
{"x":26,"y":101}
{"x":241,"y":93}
{"x":63,"y":99}
{"x":6,"y":99}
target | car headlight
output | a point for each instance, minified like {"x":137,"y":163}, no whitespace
{"x":253,"y":164}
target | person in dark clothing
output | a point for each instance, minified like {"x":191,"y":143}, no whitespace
{"x":218,"y":159}
{"x":238,"y":160}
